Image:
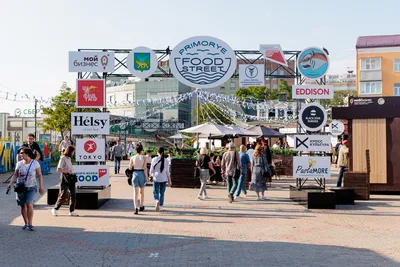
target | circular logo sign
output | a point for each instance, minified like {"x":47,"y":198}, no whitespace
{"x":202,"y":62}
{"x":312,"y":117}
{"x":381,"y":101}
{"x":313,"y":63}
{"x":336,"y":127}
{"x":142,"y":62}
{"x":17,"y":112}
{"x":251,"y":71}
{"x":90,"y":146}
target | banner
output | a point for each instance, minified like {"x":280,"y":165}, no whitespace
{"x":202,"y":62}
{"x":251,"y":75}
{"x":336,"y":128}
{"x":92,"y":175}
{"x":274,"y":53}
{"x":91,"y":61}
{"x":90,"y":93}
{"x":90,"y":123}
{"x":312,"y":143}
{"x":89,"y":150}
{"x":312,"y":167}
{"x":307,"y":91}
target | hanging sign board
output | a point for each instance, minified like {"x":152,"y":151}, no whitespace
{"x":142,"y":62}
{"x":251,"y":75}
{"x":90,"y":93}
{"x":92,"y":175}
{"x":90,"y":150}
{"x":273,"y":53}
{"x":90,"y":123}
{"x":312,"y":117}
{"x":312,"y":143}
{"x":312,"y":167}
{"x":91,"y":61}
{"x":307,"y":91}
{"x":313,"y":63}
{"x":336,"y":128}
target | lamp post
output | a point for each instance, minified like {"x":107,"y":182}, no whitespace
{"x":36,"y":101}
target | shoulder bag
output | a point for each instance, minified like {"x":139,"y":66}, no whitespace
{"x":20,"y":187}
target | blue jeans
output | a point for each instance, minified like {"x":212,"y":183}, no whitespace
{"x":117,"y":164}
{"x":158,"y":191}
{"x":232,"y":185}
{"x":241,"y":185}
{"x":340,"y":178}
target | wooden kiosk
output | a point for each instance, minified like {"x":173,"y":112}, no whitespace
{"x":374,"y":124}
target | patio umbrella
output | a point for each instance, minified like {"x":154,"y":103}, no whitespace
{"x":179,"y":136}
{"x":209,"y":129}
{"x":264,"y":131}
{"x":241,"y":132}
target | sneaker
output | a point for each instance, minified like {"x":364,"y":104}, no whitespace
{"x":141,"y":208}
{"x":259,"y":198}
{"x":73,"y":214}
{"x":161,"y":208}
{"x":263,"y":198}
{"x":199,"y":197}
{"x":230,"y":199}
{"x":31,"y":228}
{"x":158,"y":206}
{"x":205,"y":197}
{"x":54,"y":212}
{"x":24,"y":227}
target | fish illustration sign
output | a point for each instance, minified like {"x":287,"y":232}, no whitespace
{"x":313,"y":63}
{"x":142,"y":62}
{"x":202,"y":62}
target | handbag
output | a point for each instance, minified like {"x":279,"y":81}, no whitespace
{"x":20,"y":187}
{"x":236,"y":174}
{"x":69,"y":178}
{"x":197,"y":169}
{"x":129,"y":174}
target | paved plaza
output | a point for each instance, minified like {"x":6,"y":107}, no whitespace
{"x":213,"y":232}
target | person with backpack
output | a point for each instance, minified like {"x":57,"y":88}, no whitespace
{"x":159,"y":170}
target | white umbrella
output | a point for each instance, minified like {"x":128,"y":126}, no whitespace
{"x":209,"y":129}
{"x":240,"y":131}
{"x":179,"y":136}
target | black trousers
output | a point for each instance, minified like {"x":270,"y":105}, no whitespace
{"x":64,"y":188}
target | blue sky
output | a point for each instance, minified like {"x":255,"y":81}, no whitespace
{"x":37,"y":35}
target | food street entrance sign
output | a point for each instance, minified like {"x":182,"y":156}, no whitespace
{"x":202,"y":62}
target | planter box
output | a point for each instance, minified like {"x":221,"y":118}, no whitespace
{"x":286,"y":167}
{"x":359,"y":181}
{"x":182,"y":171}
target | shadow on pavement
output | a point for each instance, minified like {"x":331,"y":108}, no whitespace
{"x":60,"y":246}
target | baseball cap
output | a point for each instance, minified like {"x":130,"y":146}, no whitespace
{"x":344,"y":142}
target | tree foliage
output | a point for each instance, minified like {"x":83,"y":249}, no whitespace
{"x":339,"y":99}
{"x":58,"y":115}
{"x":263,"y":93}
{"x":209,"y":112}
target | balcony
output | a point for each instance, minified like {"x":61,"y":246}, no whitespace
{"x":370,"y":75}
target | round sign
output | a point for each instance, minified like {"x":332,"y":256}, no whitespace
{"x":336,"y":128}
{"x":313,"y":63}
{"x":17,"y":112}
{"x":90,"y":146}
{"x":142,"y":62}
{"x":202,"y":62}
{"x":312,"y":117}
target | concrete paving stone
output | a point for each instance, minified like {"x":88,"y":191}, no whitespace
{"x":191,"y":232}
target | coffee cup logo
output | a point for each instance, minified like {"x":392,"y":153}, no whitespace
{"x":202,"y":62}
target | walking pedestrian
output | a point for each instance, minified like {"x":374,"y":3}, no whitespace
{"x":65,"y":167}
{"x":137,"y":164}
{"x":343,"y":162}
{"x":117,"y":152}
{"x":159,"y":170}
{"x":231,"y":169}
{"x":258,"y":167}
{"x":27,"y":172}
{"x":245,"y":162}
{"x":204,"y":163}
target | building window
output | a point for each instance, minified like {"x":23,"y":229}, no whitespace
{"x":371,"y":63}
{"x":233,"y":85}
{"x":396,"y":89}
{"x":129,"y":97}
{"x":396,"y":65}
{"x":371,"y":88}
{"x":281,"y":72}
{"x":274,"y":86}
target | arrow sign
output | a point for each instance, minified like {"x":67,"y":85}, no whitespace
{"x":274,"y":53}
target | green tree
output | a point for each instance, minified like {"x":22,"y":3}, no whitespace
{"x":339,"y":99}
{"x":257,"y":92}
{"x":284,"y":87}
{"x":209,"y":112}
{"x":58,"y":115}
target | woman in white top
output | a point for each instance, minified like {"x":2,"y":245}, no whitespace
{"x":27,"y":172}
{"x":137,"y":163}
{"x":159,"y":170}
